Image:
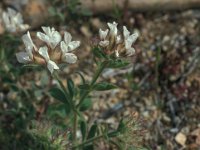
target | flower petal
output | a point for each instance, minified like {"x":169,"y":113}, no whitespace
{"x":118,"y":40}
{"x":132,"y":38}
{"x":70,"y":58}
{"x":24,"y":27}
{"x":130,"y":51}
{"x":5,"y":18}
{"x":17,"y":19}
{"x":52,"y":66}
{"x":103,"y":34}
{"x":104,"y":43}
{"x":51,"y":36}
{"x":11,"y":12}
{"x":55,"y":39}
{"x":113,"y":28}
{"x":43,"y":51}
{"x":43,"y":37}
{"x":23,"y":57}
{"x":116,"y":53}
{"x":47,"y":30}
{"x":9,"y":25}
{"x":126,"y":33}
{"x":63,"y":47}
{"x":67,"y":37}
{"x":73,"y":45}
{"x":26,"y":38}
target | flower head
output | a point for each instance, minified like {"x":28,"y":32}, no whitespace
{"x":50,"y":36}
{"x":120,"y":45}
{"x":13,"y":21}
{"x":50,"y":54}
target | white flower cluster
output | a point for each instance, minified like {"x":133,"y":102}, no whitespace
{"x":13,"y":21}
{"x":111,"y":42}
{"x":54,"y":52}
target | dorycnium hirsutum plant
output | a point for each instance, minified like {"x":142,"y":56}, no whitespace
{"x":110,"y":50}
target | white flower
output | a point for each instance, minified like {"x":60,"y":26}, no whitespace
{"x":126,"y":33}
{"x":67,"y":46}
{"x":47,"y":55}
{"x":29,"y":45}
{"x":51,"y":36}
{"x":43,"y":51}
{"x":116,"y":53}
{"x":104,"y":43}
{"x":70,"y":58}
{"x":113,"y":28}
{"x":103,"y":34}
{"x":117,"y":44}
{"x":129,"y":40}
{"x":13,"y":21}
{"x":24,"y":57}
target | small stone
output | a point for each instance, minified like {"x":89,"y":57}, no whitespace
{"x":181,"y":139}
{"x":85,"y":30}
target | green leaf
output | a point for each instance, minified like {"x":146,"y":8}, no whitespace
{"x":58,"y":94}
{"x":117,"y":63}
{"x":98,"y":52}
{"x":87,"y":103}
{"x":103,"y":86}
{"x":92,"y":131}
{"x":91,"y":134}
{"x":70,"y":85}
{"x":83,"y":129}
{"x":84,"y":86}
{"x":30,"y":66}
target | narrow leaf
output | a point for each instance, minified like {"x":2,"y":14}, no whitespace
{"x":58,"y":94}
{"x":117,"y":63}
{"x":87,"y":103}
{"x":98,"y":52}
{"x":103,"y":86}
{"x":92,"y":131}
{"x":84,"y":86}
{"x":70,"y":85}
{"x":83,"y":126}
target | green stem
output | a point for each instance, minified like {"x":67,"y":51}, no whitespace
{"x":71,"y":104}
{"x":94,"y":79}
{"x":75,"y":126}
